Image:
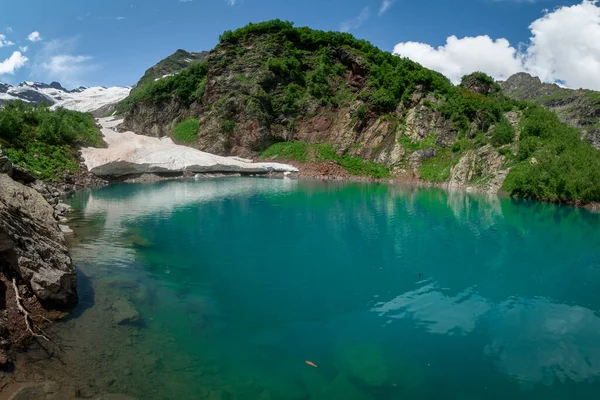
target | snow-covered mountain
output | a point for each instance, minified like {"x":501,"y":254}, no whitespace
{"x":80,"y":99}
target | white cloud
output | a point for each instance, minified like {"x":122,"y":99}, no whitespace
{"x":66,"y":67}
{"x":13,"y":63}
{"x":24,"y":49}
{"x":34,"y":37}
{"x":462,"y":56}
{"x":120,"y":18}
{"x":57,"y":60}
{"x":385,"y":6}
{"x":564,"y":46}
{"x":356,"y":22}
{"x":230,"y":2}
{"x":4,"y":41}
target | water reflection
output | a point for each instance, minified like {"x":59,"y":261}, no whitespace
{"x":537,"y":341}
{"x":533,"y":341}
{"x":264,"y":274}
{"x":437,"y":312}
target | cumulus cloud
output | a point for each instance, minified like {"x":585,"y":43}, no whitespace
{"x":356,"y":22}
{"x":4,"y":41}
{"x":13,"y":63}
{"x":34,"y":37}
{"x":564,"y":46}
{"x":462,"y":56}
{"x":24,"y":49}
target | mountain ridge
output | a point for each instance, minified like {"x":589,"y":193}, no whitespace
{"x":274,"y":90}
{"x":81,"y":99}
{"x":579,"y":108}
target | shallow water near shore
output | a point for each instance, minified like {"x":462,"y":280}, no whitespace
{"x":223,"y":289}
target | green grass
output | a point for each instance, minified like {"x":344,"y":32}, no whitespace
{"x":437,"y":169}
{"x":44,"y":141}
{"x":411,"y":146}
{"x":304,"y":152}
{"x":45,"y":162}
{"x":287,"y":150}
{"x":187,"y":131}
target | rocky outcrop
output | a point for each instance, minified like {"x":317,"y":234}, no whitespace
{"x":129,"y":154}
{"x":480,"y":168}
{"x":32,"y":247}
{"x":578,"y":108}
{"x":6,"y":166}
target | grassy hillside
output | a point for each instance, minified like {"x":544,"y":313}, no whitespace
{"x":43,"y":141}
{"x":167,"y":68}
{"x":577,"y":108}
{"x":287,"y":92}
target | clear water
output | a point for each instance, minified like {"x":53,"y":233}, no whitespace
{"x":393,"y":292}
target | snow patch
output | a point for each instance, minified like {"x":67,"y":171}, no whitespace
{"x":128,"y":153}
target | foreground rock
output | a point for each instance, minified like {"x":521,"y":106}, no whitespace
{"x":129,"y":154}
{"x":31,"y":245}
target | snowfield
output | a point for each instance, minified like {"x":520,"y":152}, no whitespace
{"x":81,"y":99}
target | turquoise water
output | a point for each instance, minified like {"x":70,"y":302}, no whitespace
{"x":393,"y":292}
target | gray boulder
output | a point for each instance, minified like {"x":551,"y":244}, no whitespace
{"x":32,"y":245}
{"x":6,"y":166}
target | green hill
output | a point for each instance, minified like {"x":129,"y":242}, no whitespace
{"x":284,"y":92}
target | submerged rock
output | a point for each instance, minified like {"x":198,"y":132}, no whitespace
{"x":32,"y":245}
{"x":341,"y":388}
{"x":364,"y":363}
{"x":124,"y":313}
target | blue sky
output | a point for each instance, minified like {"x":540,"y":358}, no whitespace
{"x":114,"y":41}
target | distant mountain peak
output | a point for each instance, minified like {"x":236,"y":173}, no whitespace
{"x":79,"y":99}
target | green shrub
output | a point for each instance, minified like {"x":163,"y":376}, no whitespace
{"x":437,"y":169}
{"x":187,"y":131}
{"x":554,"y":164}
{"x":301,"y":151}
{"x":503,"y":134}
{"x":45,"y":141}
{"x":228,"y":126}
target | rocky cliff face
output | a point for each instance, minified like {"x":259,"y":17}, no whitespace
{"x":32,"y":247}
{"x":33,"y":259}
{"x":578,"y":108}
{"x":275,"y":91}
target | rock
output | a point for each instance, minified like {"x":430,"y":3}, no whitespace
{"x":483,"y":163}
{"x":341,"y":388}
{"x":416,"y":158}
{"x":4,"y":359}
{"x":113,"y":396}
{"x":63,"y":208}
{"x":220,"y":395}
{"x":6,"y":166}
{"x":128,"y":154}
{"x":22,"y":175}
{"x":32,"y":244}
{"x":65,"y":229}
{"x":124,"y":313}
{"x":36,"y":391}
{"x":363,"y":363}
